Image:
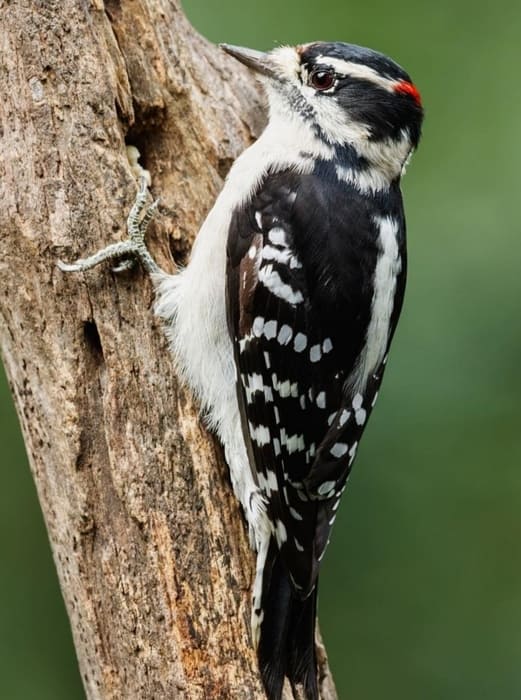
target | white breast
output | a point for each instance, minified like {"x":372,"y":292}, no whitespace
{"x":192,"y":302}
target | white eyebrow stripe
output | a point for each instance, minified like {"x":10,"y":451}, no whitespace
{"x":357,"y":70}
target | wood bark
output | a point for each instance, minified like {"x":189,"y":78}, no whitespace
{"x":148,"y":540}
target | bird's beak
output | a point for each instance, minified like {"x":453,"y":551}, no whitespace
{"x":258,"y":61}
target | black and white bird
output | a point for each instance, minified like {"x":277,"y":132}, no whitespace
{"x":282,"y":320}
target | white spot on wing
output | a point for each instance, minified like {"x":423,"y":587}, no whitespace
{"x":294,"y":443}
{"x":285,"y":334}
{"x":271,"y":279}
{"x":277,"y":236}
{"x":327,"y":345}
{"x":315,"y":353}
{"x":325,"y":488}
{"x":256,"y":382}
{"x":339,"y":449}
{"x":280,"y":256}
{"x":270,"y":329}
{"x":260,"y":434}
{"x":268,"y":482}
{"x":252,"y":383}
{"x":295,"y":514}
{"x":281,"y":534}
{"x":284,"y":389}
{"x":300,"y":342}
{"x":343,"y":418}
{"x":321,"y":399}
{"x":360,"y":416}
{"x":257,"y":327}
{"x":357,"y":401}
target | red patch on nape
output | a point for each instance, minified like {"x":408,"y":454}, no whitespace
{"x":407,"y":88}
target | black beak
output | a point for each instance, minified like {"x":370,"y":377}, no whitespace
{"x":256,"y":60}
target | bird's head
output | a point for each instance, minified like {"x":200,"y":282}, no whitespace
{"x":348,"y":94}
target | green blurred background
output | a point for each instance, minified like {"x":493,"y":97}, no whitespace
{"x":421,"y":588}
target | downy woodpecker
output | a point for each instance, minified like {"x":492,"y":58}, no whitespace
{"x":281,"y":322}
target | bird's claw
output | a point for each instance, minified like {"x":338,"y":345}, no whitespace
{"x":130,"y":250}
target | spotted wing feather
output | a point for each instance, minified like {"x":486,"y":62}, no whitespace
{"x":266,"y":293}
{"x":299,"y":292}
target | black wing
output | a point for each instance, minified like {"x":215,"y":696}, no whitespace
{"x":301,"y":261}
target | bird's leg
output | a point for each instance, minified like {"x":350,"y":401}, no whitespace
{"x":128,"y":251}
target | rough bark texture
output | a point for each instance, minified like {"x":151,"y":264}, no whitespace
{"x":148,"y":540}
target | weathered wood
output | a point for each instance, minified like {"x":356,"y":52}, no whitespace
{"x":148,"y":540}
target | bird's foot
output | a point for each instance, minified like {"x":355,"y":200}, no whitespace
{"x":125,"y":252}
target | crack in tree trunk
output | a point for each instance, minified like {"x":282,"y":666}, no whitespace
{"x":148,"y":540}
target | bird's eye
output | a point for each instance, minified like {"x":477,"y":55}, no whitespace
{"x":322,"y":79}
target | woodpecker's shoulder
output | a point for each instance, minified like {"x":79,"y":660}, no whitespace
{"x":330,"y":224}
{"x":334,"y":198}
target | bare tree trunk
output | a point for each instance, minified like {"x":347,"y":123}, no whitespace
{"x":148,"y":540}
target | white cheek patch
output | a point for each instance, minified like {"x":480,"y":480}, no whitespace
{"x":332,"y":120}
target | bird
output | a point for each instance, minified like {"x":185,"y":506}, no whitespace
{"x":281,"y":322}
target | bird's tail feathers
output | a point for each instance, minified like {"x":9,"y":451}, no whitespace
{"x":286,"y":630}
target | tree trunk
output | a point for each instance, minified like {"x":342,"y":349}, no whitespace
{"x":149,"y":542}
